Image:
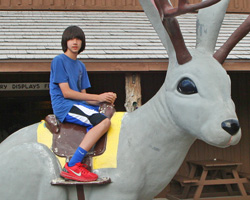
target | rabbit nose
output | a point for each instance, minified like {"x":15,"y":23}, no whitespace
{"x":231,"y":126}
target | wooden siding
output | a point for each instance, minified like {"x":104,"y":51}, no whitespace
{"x":70,"y":5}
{"x":239,"y":6}
{"x":129,"y":5}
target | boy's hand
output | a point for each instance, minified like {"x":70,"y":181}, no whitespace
{"x":108,"y":97}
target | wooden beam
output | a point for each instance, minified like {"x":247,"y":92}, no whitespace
{"x":133,"y":91}
{"x":236,"y":65}
{"x":24,"y":66}
{"x":100,"y":66}
{"x":109,"y":65}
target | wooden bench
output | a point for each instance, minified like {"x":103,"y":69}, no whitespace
{"x":245,"y":175}
{"x":214,"y":173}
{"x":184,"y":180}
{"x":186,"y":183}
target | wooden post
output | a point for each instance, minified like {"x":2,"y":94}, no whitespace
{"x":133,"y":91}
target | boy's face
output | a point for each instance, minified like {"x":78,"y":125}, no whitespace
{"x":74,"y":45}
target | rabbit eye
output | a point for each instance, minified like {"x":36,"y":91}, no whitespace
{"x":187,"y":86}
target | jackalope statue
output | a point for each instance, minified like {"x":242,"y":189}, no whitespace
{"x":193,"y":103}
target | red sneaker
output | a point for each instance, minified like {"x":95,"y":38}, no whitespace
{"x":78,"y":172}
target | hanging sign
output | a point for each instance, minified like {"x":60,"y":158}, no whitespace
{"x":23,"y":86}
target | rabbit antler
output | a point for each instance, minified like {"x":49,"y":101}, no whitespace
{"x":222,"y":53}
{"x":167,"y":13}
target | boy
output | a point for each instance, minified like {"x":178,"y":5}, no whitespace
{"x":71,"y":103}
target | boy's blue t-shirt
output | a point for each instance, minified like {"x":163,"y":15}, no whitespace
{"x":65,"y":69}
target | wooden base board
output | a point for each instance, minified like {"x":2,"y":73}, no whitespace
{"x":99,"y":181}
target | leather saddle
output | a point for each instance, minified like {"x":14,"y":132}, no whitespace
{"x":68,"y":136}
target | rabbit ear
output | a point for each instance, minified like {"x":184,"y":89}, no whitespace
{"x":208,"y":25}
{"x":154,"y":17}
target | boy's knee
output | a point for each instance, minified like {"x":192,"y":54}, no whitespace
{"x":99,"y":118}
{"x":107,"y":122}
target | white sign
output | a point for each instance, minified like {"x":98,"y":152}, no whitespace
{"x":23,"y":86}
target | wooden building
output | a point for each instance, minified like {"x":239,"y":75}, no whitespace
{"x":238,"y":6}
{"x":121,"y":43}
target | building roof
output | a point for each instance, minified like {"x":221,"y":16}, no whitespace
{"x":36,"y":35}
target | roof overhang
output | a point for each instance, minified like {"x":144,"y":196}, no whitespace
{"x":109,"y":65}
{"x":116,"y":41}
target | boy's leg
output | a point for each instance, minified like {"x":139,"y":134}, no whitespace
{"x":95,"y":134}
{"x":92,"y":136}
{"x":85,"y":116}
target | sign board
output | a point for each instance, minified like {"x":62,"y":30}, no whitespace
{"x":24,"y":86}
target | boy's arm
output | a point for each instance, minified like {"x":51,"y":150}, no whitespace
{"x":91,"y":102}
{"x":94,"y":99}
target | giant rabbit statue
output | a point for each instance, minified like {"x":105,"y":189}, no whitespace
{"x":193,"y":103}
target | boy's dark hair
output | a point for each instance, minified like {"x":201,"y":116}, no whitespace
{"x":70,"y":33}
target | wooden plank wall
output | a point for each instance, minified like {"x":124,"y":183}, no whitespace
{"x":118,"y":5}
{"x":238,"y":6}
{"x":70,"y":5}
